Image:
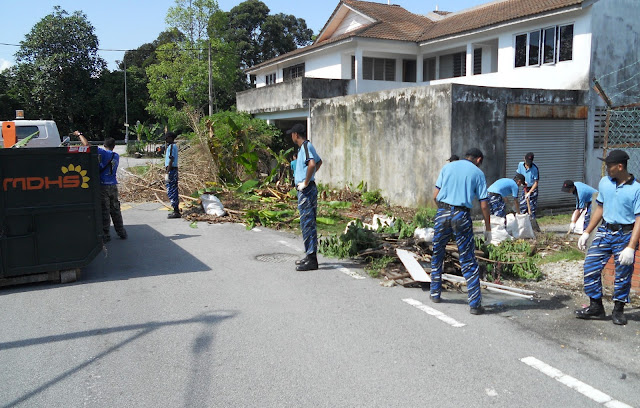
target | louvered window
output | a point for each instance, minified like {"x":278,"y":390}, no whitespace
{"x":379,"y":69}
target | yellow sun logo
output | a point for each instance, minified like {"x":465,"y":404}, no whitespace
{"x":77,"y":169}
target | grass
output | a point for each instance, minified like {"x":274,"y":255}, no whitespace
{"x":139,"y":170}
{"x":565,"y":254}
{"x":554,"y":219}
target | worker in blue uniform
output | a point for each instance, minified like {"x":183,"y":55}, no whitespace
{"x":584,"y":196}
{"x":530,"y":191}
{"x":501,"y":188}
{"x":459,"y":183}
{"x":618,"y":205}
{"x":308,"y":162}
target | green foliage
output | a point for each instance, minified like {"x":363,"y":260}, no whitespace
{"x":266,"y":217}
{"x":399,"y":227}
{"x":424,"y":217}
{"x":257,"y":35}
{"x":239,"y":145}
{"x":349,"y":244}
{"x":248,"y":186}
{"x":372,"y":197}
{"x":515,"y":258}
{"x":376,"y":265}
{"x":57,"y":66}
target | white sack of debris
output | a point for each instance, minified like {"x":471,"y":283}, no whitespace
{"x":212,"y":205}
{"x":519,"y":226}
{"x":423,"y":234}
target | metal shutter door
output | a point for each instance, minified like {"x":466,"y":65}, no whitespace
{"x":558,"y":145}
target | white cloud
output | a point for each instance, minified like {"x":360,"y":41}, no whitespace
{"x":4,"y":64}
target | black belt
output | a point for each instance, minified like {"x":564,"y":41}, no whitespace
{"x":495,"y":194}
{"x":452,"y":207}
{"x":618,"y":227}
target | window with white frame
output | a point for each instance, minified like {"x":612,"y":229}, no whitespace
{"x":545,"y":46}
{"x":270,"y":79}
{"x":292,"y":72}
{"x":379,"y":69}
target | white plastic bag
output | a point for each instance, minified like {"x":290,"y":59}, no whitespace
{"x":423,"y":234}
{"x":498,"y":231}
{"x":382,"y":220}
{"x":519,"y":227}
{"x":212,"y":205}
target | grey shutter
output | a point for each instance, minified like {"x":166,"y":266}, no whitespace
{"x":558,"y":145}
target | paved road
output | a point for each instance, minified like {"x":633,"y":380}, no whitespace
{"x":216,"y":316}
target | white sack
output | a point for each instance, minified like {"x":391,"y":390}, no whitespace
{"x":423,"y":234}
{"x":212,"y":205}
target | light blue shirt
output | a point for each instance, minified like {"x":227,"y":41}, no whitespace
{"x":172,"y":150}
{"x":621,"y":204}
{"x":460,"y":182}
{"x":302,"y":162}
{"x":584,"y":194}
{"x":531,"y":175}
{"x":504,"y":187}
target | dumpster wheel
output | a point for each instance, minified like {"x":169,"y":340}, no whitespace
{"x":69,"y":275}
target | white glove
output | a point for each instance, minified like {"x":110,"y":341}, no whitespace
{"x":487,"y":237}
{"x":572,"y":227}
{"x":527,"y":195}
{"x":626,"y":256}
{"x":582,"y":242}
{"x":166,"y":177}
{"x":301,"y":186}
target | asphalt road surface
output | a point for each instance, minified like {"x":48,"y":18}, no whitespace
{"x":217,"y":316}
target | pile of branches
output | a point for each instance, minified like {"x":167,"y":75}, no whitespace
{"x":196,"y":170}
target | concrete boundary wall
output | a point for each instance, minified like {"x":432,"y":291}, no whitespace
{"x":397,"y":141}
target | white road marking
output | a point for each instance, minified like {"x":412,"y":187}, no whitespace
{"x":351,"y":273}
{"x":584,"y":389}
{"x":288,"y":245}
{"x":433,"y":312}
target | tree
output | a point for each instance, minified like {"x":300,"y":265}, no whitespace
{"x":259,"y":36}
{"x":57,"y":66}
{"x":179,"y":79}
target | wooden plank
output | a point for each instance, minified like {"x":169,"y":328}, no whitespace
{"x":413,"y":267}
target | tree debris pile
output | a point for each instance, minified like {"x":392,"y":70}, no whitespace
{"x":511,"y":258}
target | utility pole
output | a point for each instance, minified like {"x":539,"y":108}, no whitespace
{"x":126,"y":109}
{"x":210,"y":83}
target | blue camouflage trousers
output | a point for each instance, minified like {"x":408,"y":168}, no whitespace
{"x":605,"y":244}
{"x":172,"y":188}
{"x":308,"y":208}
{"x":497,"y":205}
{"x":533,"y":201}
{"x":454,"y":221}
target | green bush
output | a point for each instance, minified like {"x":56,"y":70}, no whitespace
{"x":372,"y":197}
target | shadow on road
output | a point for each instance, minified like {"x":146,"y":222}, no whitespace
{"x":137,"y":331}
{"x":145,"y":253}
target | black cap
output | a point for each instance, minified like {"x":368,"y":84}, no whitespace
{"x":453,"y":157}
{"x":519,"y":177}
{"x":567,"y":186}
{"x":474,"y":152}
{"x":615,"y":156}
{"x":297,"y":128}
{"x":528,"y":157}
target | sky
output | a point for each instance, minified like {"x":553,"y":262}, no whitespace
{"x":127,"y":24}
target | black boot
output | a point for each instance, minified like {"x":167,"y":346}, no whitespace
{"x":618,"y":313}
{"x":310,"y":265}
{"x":303,"y":260}
{"x":175,"y":213}
{"x":595,"y":310}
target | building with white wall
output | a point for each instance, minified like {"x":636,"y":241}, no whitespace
{"x":514,"y":44}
